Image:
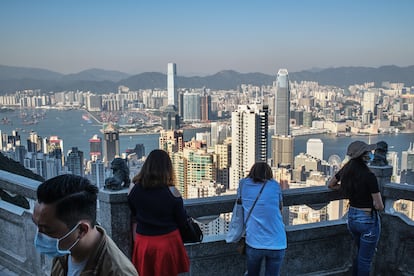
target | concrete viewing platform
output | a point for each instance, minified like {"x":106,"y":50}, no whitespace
{"x":323,"y":248}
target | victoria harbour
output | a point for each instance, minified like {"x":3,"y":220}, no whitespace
{"x":75,"y":132}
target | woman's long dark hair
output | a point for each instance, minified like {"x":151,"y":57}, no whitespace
{"x":351,"y":175}
{"x":157,"y":171}
{"x":260,"y":172}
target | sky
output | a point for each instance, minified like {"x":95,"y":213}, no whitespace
{"x":205,"y":37}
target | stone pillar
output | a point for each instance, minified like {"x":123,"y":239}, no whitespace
{"x":383,"y":174}
{"x":114,"y":216}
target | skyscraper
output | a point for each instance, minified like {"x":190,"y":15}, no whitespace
{"x":205,"y":107}
{"x":170,"y":117}
{"x":282,"y":103}
{"x":98,"y":173}
{"x":282,"y":141}
{"x":407,"y":165}
{"x":111,"y":144}
{"x":95,"y":148}
{"x":172,"y":91}
{"x":74,"y":161}
{"x":282,"y":151}
{"x":54,"y":148}
{"x":407,"y":158}
{"x":191,"y":107}
{"x":249,"y":140}
{"x":34,"y":142}
{"x":223,"y":158}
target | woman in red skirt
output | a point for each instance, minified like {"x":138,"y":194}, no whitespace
{"x":159,"y":212}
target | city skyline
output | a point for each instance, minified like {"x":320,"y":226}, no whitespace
{"x":205,"y":37}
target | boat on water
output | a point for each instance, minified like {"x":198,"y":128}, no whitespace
{"x":5,"y":121}
{"x":86,"y":118}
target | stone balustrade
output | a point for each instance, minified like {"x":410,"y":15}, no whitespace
{"x":323,"y":248}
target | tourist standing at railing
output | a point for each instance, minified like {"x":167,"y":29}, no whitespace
{"x":265,"y":231}
{"x":159,"y":212}
{"x":360,"y":186}
{"x":65,"y":215}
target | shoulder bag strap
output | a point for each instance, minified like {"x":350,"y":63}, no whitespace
{"x":254,"y":203}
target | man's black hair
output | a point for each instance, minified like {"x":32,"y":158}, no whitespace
{"x":74,"y":198}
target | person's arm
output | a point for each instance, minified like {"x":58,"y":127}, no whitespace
{"x":334,"y":183}
{"x":281,"y":203}
{"x":377,"y":201}
{"x":180,"y":212}
{"x":133,"y":212}
{"x":130,"y":187}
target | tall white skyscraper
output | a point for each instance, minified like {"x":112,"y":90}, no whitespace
{"x":314,"y":147}
{"x":172,"y":91}
{"x":282,"y":141}
{"x":282,"y":104}
{"x":249,"y":132}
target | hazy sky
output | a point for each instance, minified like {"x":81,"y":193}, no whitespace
{"x":206,"y":36}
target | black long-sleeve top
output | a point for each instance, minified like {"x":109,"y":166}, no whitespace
{"x":157,"y":211}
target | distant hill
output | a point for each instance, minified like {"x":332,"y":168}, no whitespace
{"x":104,"y":81}
{"x":97,"y":75}
{"x":345,"y":76}
{"x":18,"y":73}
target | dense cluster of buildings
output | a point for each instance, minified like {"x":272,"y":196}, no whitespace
{"x":242,"y":122}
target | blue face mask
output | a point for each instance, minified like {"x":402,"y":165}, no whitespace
{"x":50,"y":246}
{"x":368,"y":157}
{"x":371,"y":156}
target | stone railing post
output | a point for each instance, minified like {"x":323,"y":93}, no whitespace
{"x":383,"y":174}
{"x":114,"y":216}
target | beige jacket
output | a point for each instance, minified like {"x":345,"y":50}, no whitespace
{"x":106,"y":260}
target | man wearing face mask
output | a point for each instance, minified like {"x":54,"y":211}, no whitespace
{"x":65,"y":215}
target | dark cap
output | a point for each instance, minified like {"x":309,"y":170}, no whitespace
{"x":358,"y":148}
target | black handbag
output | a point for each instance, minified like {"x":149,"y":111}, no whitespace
{"x":191,"y":232}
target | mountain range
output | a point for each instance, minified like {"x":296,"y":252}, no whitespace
{"x":105,"y":81}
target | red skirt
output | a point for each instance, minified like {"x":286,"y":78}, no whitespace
{"x":161,"y":255}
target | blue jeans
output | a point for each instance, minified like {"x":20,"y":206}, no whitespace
{"x":365,"y":228}
{"x":273,"y":260}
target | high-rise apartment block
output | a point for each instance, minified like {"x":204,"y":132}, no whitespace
{"x":223,"y":160}
{"x":34,"y":142}
{"x":249,"y":140}
{"x":74,"y":161}
{"x":369,"y":102}
{"x":191,"y":107}
{"x":205,"y":107}
{"x":98,"y":173}
{"x":171,"y":141}
{"x":53,"y":146}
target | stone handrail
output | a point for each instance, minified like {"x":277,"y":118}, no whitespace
{"x":313,"y":249}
